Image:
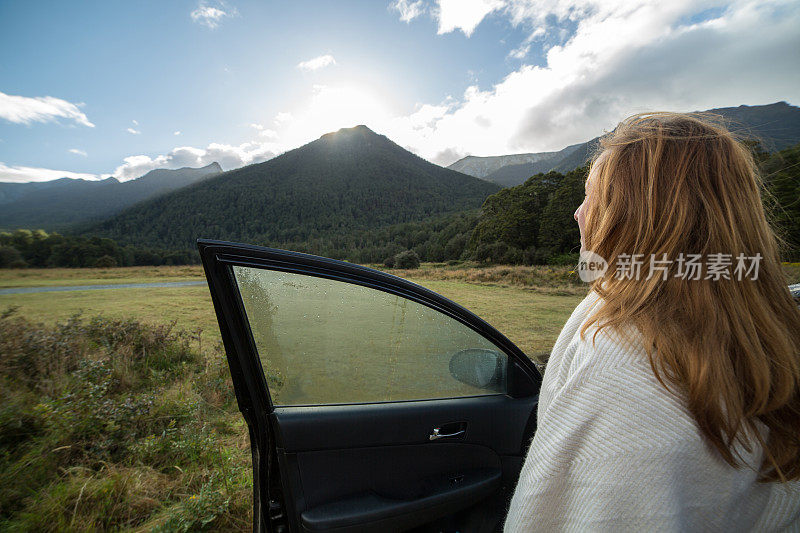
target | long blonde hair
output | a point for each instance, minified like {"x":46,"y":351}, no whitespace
{"x":673,"y":184}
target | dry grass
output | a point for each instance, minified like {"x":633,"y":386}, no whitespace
{"x":556,"y":280}
{"x":42,"y":277}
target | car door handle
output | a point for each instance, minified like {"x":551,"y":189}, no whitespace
{"x":436,"y":435}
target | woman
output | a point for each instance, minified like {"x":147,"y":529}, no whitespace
{"x":671,"y":400}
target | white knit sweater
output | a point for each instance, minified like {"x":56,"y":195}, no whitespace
{"x":615,"y":451}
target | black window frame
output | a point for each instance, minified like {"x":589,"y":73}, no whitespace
{"x":524,"y":378}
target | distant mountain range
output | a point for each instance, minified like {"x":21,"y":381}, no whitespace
{"x":62,"y":203}
{"x":480,"y":167}
{"x":776,"y":126}
{"x":335,"y":193}
{"x":352,"y":179}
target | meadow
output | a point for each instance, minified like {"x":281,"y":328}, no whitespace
{"x":527,"y":304}
{"x":116,"y":406}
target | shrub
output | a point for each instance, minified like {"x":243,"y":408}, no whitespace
{"x":407,"y":259}
{"x":117,"y":425}
{"x":389,"y":262}
{"x":198,"y":512}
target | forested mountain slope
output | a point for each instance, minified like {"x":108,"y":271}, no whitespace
{"x":59,"y":204}
{"x":774,"y":126}
{"x":353,"y":179}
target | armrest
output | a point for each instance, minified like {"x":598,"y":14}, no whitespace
{"x":367,"y":511}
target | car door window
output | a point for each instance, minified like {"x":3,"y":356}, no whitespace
{"x":323,"y":341}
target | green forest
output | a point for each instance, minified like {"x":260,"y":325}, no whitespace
{"x":25,"y":248}
{"x":341,"y":184}
{"x":528,"y":224}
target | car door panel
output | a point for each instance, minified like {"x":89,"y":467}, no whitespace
{"x":494,"y":421}
{"x":366,"y":466}
{"x":359,"y":464}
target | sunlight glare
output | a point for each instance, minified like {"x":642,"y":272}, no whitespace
{"x":334,"y":107}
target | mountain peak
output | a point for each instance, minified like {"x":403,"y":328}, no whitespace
{"x":352,"y":178}
{"x":356,"y":131}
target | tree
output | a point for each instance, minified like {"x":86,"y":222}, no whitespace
{"x":513,"y":215}
{"x":407,"y":259}
{"x":10,"y":257}
{"x":105,"y":261}
{"x":558,"y":230}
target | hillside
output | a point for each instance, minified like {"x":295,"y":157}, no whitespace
{"x":481,"y":167}
{"x":59,"y":204}
{"x":533,"y":222}
{"x":353,"y":179}
{"x":509,"y":175}
{"x":11,"y":191}
{"x":776,"y":126}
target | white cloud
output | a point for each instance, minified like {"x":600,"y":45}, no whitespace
{"x":135,"y":122}
{"x":25,"y":110}
{"x":17,"y":174}
{"x":283,"y":117}
{"x":211,"y":15}
{"x":617,"y":58}
{"x":176,"y":132}
{"x":464,"y":15}
{"x":408,"y":9}
{"x":620,"y":57}
{"x":77,"y":151}
{"x":133,"y":131}
{"x":520,"y":52}
{"x":228,"y":156}
{"x":266,"y":132}
{"x":316,"y":63}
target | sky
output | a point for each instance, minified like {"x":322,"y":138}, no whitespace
{"x":97,"y":89}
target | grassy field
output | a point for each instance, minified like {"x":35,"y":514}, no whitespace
{"x":528,"y":314}
{"x":123,"y":418}
{"x":109,"y":425}
{"x":527,"y":304}
{"x":46,"y":277}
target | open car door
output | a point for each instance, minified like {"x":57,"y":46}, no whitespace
{"x":373,"y":404}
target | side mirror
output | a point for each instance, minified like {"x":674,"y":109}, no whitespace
{"x":485,"y":369}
